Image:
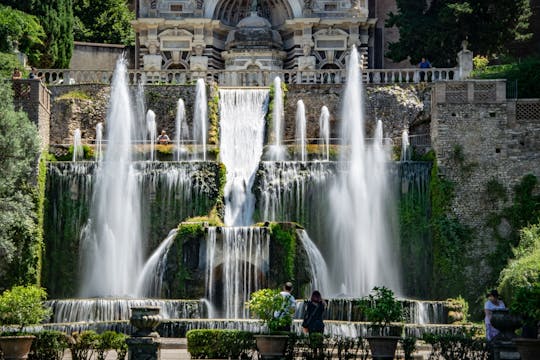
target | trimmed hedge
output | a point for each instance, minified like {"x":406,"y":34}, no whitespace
{"x":219,"y":344}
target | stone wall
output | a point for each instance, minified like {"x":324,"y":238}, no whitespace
{"x":33,"y":97}
{"x":480,"y":136}
{"x":92,"y":56}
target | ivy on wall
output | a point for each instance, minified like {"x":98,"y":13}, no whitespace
{"x":213,"y":115}
{"x":283,"y":250}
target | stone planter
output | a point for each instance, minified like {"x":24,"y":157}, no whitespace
{"x":145,"y":319}
{"x":529,"y":349}
{"x":271,"y":346}
{"x":383,"y":347}
{"x":16,"y":347}
{"x":506,"y":323}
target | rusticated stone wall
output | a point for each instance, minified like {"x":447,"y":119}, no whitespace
{"x":480,"y":136}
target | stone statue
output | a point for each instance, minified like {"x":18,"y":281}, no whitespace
{"x":253,"y":5}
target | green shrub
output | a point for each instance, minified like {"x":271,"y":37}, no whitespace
{"x":526,"y":302}
{"x":111,"y":340}
{"x":264,"y":303}
{"x":23,"y":306}
{"x":48,"y":345}
{"x":83,"y":344}
{"x":381,"y":307}
{"x":465,"y":345}
{"x":219,"y":344}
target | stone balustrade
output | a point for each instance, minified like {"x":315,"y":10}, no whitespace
{"x":251,"y":77}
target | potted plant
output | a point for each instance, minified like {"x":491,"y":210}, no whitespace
{"x":20,"y":307}
{"x":383,"y":311}
{"x":526,"y":303}
{"x":264,"y":304}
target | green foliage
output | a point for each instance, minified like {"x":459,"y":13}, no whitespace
{"x":524,"y":72}
{"x":526,"y":302}
{"x":213,"y":116}
{"x":111,"y":340}
{"x":408,"y":344}
{"x":74,"y":95}
{"x":522,"y":272}
{"x":381,"y":307}
{"x":20,"y":242}
{"x":464,"y":345}
{"x":23,"y":28}
{"x":495,"y":190}
{"x":480,"y":62}
{"x":219,"y":344}
{"x":286,"y":238}
{"x":48,"y":345}
{"x":105,"y":21}
{"x":8,"y":62}
{"x":458,"y":310}
{"x":436,"y":29}
{"x":23,"y":306}
{"x":264,"y":303}
{"x":82,"y":344}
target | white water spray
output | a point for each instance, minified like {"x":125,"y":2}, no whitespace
{"x":405,"y":146}
{"x":301,"y":129}
{"x":324,"y":129}
{"x":319,"y":270}
{"x":151,"y":128}
{"x":277,"y":151}
{"x":78,"y":152}
{"x":179,"y":124}
{"x":139,"y":125}
{"x":200,"y":117}
{"x":363,"y":236}
{"x":98,"y":151}
{"x":242,"y":134}
{"x":111,"y":247}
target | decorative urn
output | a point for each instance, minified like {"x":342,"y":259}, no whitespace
{"x":506,"y":323}
{"x":145,"y":319}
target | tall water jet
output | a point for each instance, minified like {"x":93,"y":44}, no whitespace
{"x":139,"y":125}
{"x":200,"y":117}
{"x":405,"y":146}
{"x":277,"y":150}
{"x":78,"y":152}
{"x":98,"y":150}
{"x":242,"y":134}
{"x":111,"y":247}
{"x":301,"y":129}
{"x":179,"y":124}
{"x":324,"y":131}
{"x":151,"y":128}
{"x":363,"y":236}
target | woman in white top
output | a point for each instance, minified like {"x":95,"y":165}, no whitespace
{"x":493,"y":303}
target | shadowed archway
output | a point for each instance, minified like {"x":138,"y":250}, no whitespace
{"x":230,"y":12}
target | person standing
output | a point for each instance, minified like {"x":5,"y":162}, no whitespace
{"x":313,"y":314}
{"x":288,"y":308}
{"x":163,"y":138}
{"x":493,"y":303}
{"x":424,"y":64}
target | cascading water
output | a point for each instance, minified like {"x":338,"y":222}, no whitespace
{"x":405,"y":146}
{"x":241,"y":256}
{"x":179,"y":124}
{"x":152,"y":132}
{"x":319,"y":270}
{"x":362,"y":254}
{"x":301,"y":129}
{"x":324,"y":126}
{"x":78,"y":152}
{"x":98,"y":152}
{"x":241,"y":146}
{"x":200,"y":117}
{"x":277,"y":151}
{"x":111,"y":247}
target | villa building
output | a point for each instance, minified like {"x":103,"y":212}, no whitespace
{"x":201,"y":35}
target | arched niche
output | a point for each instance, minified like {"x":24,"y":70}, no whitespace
{"x":232,"y":11}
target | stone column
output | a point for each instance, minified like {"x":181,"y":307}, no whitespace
{"x":465,"y":61}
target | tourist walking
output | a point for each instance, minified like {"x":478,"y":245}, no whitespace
{"x":493,"y":302}
{"x":313,"y":314}
{"x":289,"y":306}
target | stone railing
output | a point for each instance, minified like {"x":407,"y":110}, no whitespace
{"x":250,"y":77}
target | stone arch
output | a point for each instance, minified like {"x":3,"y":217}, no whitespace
{"x":232,"y":11}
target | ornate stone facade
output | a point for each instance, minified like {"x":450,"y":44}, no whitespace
{"x":251,"y":34}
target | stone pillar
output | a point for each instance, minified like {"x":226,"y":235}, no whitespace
{"x":145,"y":342}
{"x":465,"y":61}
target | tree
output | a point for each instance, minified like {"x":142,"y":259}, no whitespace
{"x":25,"y":30}
{"x":436,"y":29}
{"x":103,"y":21}
{"x":56,"y":17}
{"x":19,"y":231}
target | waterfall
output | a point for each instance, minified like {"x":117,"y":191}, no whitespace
{"x":319,"y":270}
{"x":277,"y":151}
{"x":78,"y":152}
{"x":301,"y":130}
{"x":324,"y":126}
{"x":152,"y":132}
{"x":98,"y":150}
{"x":362,"y":252}
{"x":242,"y":135}
{"x":179,"y":124}
{"x":240,"y":255}
{"x":111,"y":247}
{"x":151,"y":278}
{"x":200,"y":118}
{"x":405,"y":146}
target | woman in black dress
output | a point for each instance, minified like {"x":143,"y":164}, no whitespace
{"x":313,"y":314}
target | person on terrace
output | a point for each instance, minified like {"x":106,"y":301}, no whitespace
{"x":493,"y":302}
{"x":289,"y":305}
{"x":163,"y":138}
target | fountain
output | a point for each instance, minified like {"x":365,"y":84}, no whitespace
{"x":151,"y":127}
{"x":324,"y":127}
{"x":98,"y":150}
{"x":180,"y":124}
{"x":78,"y":152}
{"x":301,"y":130}
{"x":277,"y":151}
{"x":200,"y":118}
{"x":405,"y":146}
